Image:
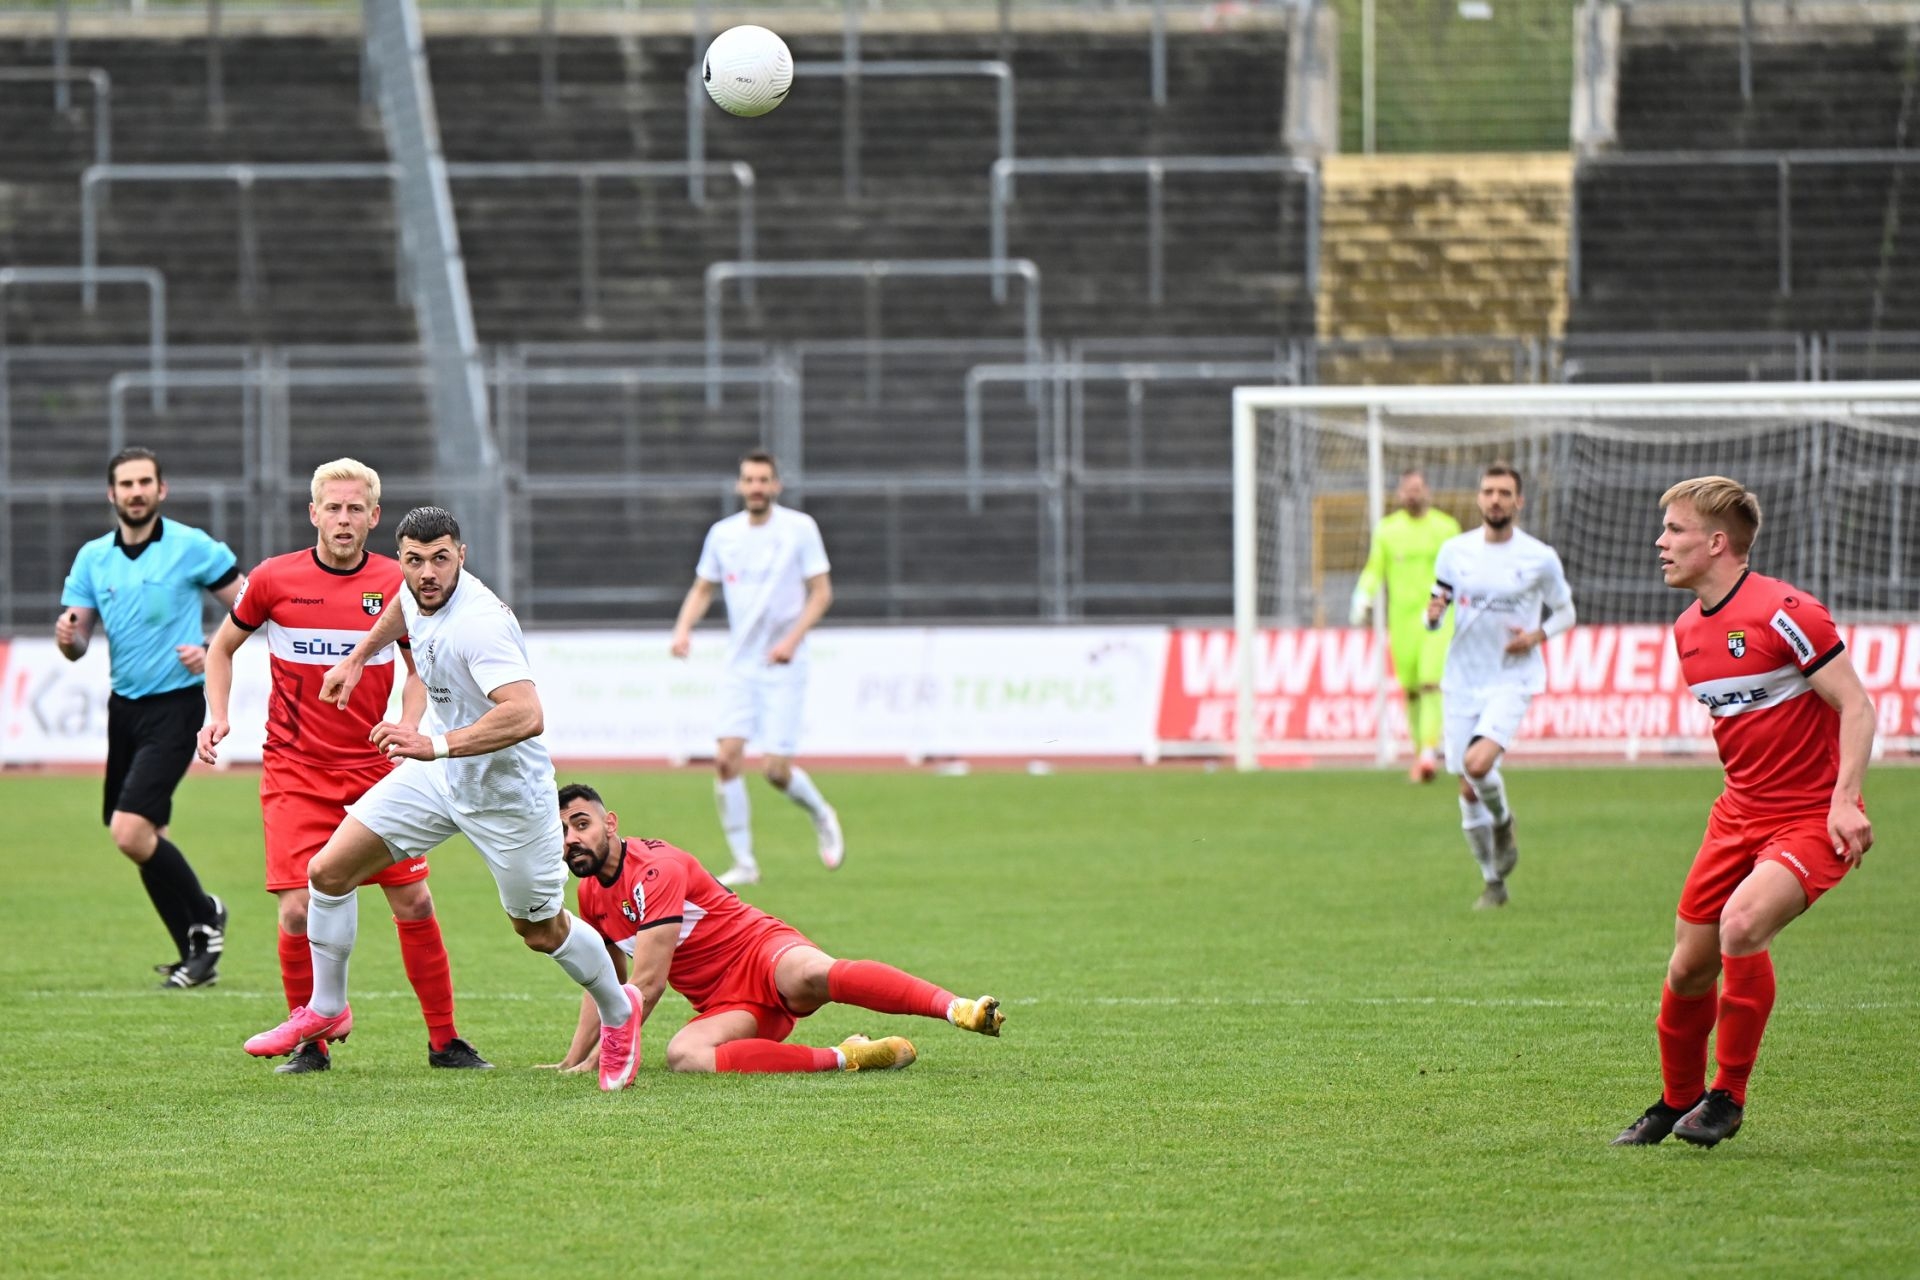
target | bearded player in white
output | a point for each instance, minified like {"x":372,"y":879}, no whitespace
{"x":773,"y":567}
{"x":480,"y":770}
{"x":1500,"y":581}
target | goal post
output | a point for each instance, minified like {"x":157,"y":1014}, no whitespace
{"x":1836,"y":467}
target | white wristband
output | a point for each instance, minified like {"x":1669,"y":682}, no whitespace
{"x":440,"y":748}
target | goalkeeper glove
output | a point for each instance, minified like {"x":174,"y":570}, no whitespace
{"x":1362,"y":607}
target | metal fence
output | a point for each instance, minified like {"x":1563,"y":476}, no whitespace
{"x":954,"y":479}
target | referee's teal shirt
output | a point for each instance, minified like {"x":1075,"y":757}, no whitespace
{"x":148,"y":599}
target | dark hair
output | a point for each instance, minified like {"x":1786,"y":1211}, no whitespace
{"x":579,"y":791}
{"x":1504,"y":468}
{"x":427,"y":524}
{"x":133,"y":453}
{"x":761,"y":455}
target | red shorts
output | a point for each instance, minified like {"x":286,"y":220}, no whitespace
{"x":749,"y":985}
{"x":302,"y":806}
{"x":1735,"y":844}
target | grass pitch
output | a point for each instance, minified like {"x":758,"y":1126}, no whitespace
{"x":1253,"y":1029}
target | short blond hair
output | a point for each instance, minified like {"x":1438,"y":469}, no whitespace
{"x":347,"y":469}
{"x":1725,"y":504}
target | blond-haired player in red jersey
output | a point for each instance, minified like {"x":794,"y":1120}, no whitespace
{"x":315,"y":605}
{"x":1794,"y":728}
{"x":749,"y":976}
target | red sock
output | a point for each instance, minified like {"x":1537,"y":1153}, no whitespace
{"x":885,"y":989}
{"x":1746,"y":998}
{"x":296,"y":968}
{"x":425,"y":958}
{"x":747,"y":1057}
{"x":1683,"y":1027}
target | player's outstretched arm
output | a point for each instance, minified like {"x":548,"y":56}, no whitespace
{"x":226,"y":641}
{"x":692,"y":609}
{"x":1847,"y":822}
{"x":389,"y":628}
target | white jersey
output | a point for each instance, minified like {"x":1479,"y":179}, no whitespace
{"x":762,"y":570}
{"x":465,"y":650}
{"x":1497,"y":588}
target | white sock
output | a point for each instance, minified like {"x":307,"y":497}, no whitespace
{"x":1492,"y":790}
{"x":801,"y":791}
{"x":584,"y":956}
{"x":332,"y":925}
{"x":1477,"y":825}
{"x":736,"y":819}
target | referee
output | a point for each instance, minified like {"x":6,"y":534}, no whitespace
{"x":142,"y":582}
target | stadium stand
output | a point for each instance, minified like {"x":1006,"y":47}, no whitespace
{"x":1697,"y":242}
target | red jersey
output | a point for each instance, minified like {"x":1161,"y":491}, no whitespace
{"x":1747,"y":660}
{"x":659,"y":886}
{"x":314,"y":616}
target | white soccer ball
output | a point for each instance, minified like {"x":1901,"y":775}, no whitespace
{"x":748,"y":70}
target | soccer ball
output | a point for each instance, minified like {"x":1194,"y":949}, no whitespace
{"x":748,"y":70}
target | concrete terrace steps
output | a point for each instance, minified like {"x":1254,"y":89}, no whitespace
{"x":1439,"y":246}
{"x":1699,"y":248}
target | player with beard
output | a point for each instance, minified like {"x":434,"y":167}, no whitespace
{"x":141,"y":584}
{"x":748,"y":975}
{"x":1499,"y":581}
{"x":772,"y":566}
{"x":477,"y":768}
{"x":314,"y":605}
{"x":1405,"y":545}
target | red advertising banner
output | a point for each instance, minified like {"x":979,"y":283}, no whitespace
{"x":1609,"y":688}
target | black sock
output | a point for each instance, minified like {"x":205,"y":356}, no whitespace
{"x":173,"y":867}
{"x":166,"y":901}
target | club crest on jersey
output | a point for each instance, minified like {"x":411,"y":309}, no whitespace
{"x":1737,"y":643}
{"x":371,"y":602}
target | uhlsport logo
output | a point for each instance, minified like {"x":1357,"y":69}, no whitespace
{"x":1737,"y":643}
{"x":371,"y":602}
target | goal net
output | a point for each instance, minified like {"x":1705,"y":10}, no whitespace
{"x":1836,"y":466}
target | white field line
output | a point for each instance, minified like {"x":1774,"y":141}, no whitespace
{"x":1155,"y":1002}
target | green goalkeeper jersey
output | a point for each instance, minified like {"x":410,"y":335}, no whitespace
{"x":1403,"y":553}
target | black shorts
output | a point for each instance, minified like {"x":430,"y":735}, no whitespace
{"x":150,"y":743}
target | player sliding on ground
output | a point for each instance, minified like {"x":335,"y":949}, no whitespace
{"x":484,"y":774}
{"x":748,"y":975}
{"x":1790,"y":821}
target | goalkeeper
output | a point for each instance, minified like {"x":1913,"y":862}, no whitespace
{"x":1405,"y":544}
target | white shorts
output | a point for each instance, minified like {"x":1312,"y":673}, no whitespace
{"x":412,"y":811}
{"x":763,"y":703}
{"x":1498,"y":718}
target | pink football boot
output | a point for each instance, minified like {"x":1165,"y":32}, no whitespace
{"x":302,"y":1025}
{"x":620,"y":1047}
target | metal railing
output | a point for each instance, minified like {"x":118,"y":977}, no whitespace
{"x":63,"y":76}
{"x":588,"y":174}
{"x":1155,"y":169}
{"x":853,"y":71}
{"x":1075,"y":374}
{"x":156,"y":287}
{"x":873,"y":272}
{"x":1782,"y":162}
{"x":243,"y":176}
